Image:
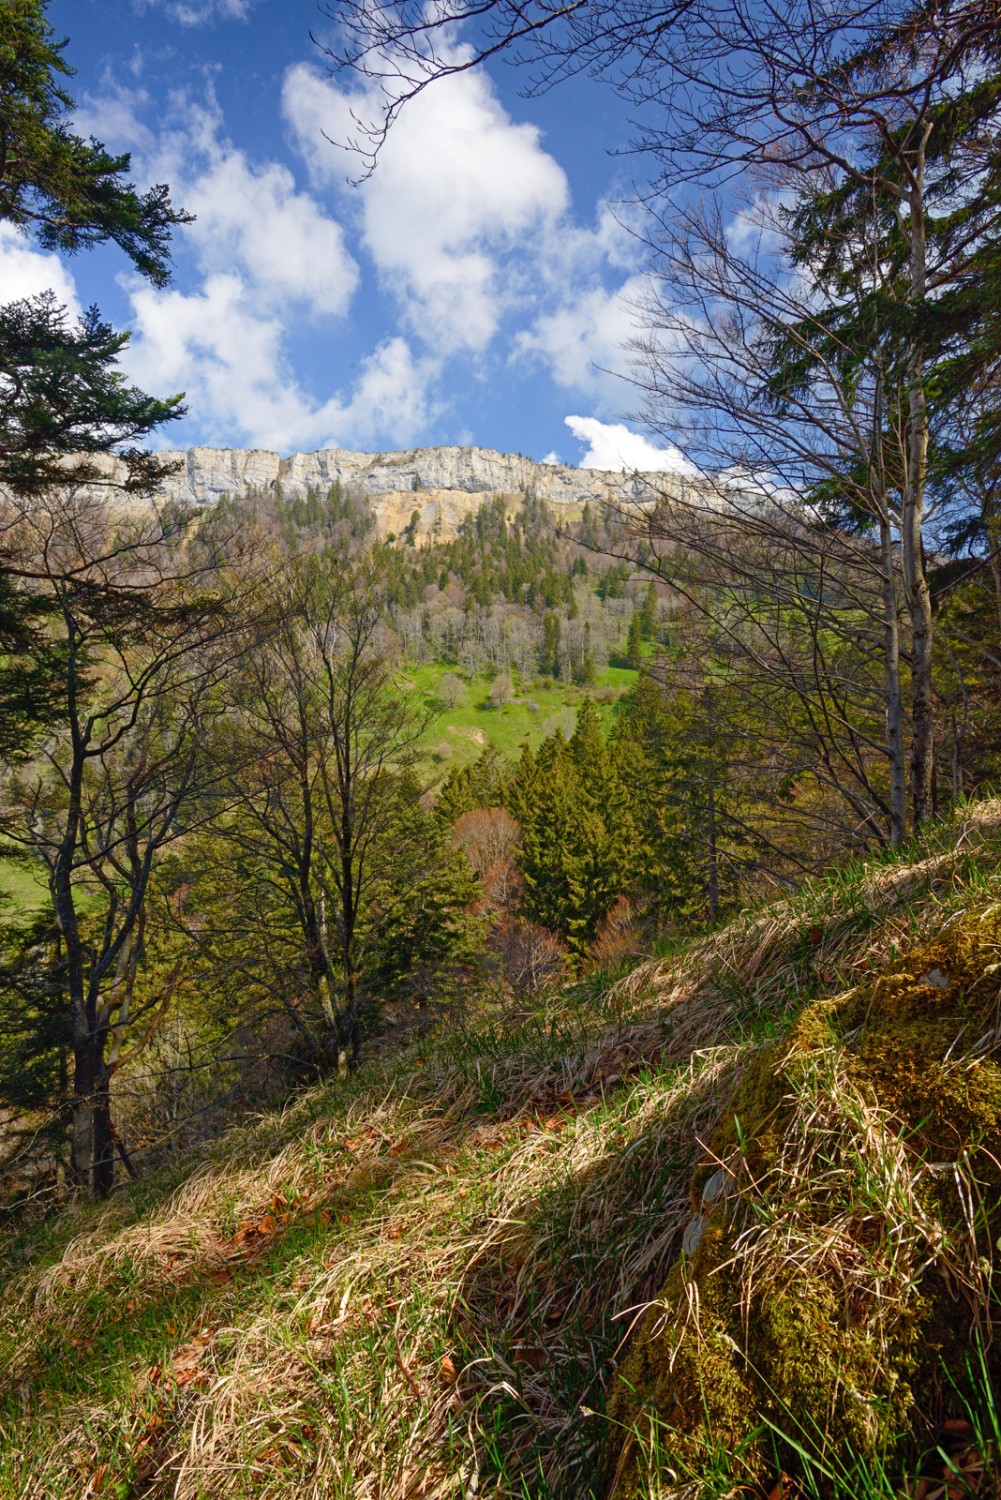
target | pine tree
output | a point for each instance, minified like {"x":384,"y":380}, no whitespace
{"x":61,"y":392}
{"x":650,"y":613}
{"x":686,"y":796}
{"x":549,"y":660}
{"x":71,"y":193}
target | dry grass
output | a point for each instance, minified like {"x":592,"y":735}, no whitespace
{"x":416,"y":1282}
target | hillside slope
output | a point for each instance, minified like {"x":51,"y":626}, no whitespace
{"x":462,"y":1270}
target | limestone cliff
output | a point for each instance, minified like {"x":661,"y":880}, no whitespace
{"x":442,"y":484}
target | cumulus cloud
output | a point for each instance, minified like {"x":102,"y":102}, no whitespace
{"x":584,"y":342}
{"x":25,"y":272}
{"x":611,"y":445}
{"x":466,"y":224}
{"x":249,"y":216}
{"x":229,"y":359}
{"x":458,"y":187}
{"x":269,"y":258}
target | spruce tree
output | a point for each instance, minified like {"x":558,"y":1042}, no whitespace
{"x":580,"y":850}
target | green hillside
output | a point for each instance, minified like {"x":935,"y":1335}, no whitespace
{"x":458,"y":734}
{"x":460,"y":1271}
{"x":22,"y":887}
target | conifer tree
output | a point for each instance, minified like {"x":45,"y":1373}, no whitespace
{"x":634,"y":641}
{"x":70,"y":193}
{"x":579,"y":850}
{"x":60,"y":390}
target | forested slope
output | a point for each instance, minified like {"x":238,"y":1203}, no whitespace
{"x":461,"y":1270}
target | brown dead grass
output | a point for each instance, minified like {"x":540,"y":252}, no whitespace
{"x":416,"y":1284}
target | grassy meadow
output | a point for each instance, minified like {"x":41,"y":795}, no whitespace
{"x":22,"y":888}
{"x":457,"y":735}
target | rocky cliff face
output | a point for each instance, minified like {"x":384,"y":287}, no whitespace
{"x":442,"y":484}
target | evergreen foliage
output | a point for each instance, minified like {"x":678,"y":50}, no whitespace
{"x":580,"y":849}
{"x":71,"y":193}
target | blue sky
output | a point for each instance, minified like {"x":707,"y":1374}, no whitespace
{"x":466,"y":293}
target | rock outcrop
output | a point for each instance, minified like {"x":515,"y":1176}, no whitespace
{"x":443,"y":485}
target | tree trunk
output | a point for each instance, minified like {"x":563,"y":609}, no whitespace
{"x":912,"y":520}
{"x":891,"y":629}
{"x":84,"y":1085}
{"x":104,"y":1130}
{"x":894,"y":702}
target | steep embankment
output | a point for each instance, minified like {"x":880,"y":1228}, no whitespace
{"x":462,"y":1271}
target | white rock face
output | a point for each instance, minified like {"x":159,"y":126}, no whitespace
{"x":211,"y":472}
{"x":443,"y":484}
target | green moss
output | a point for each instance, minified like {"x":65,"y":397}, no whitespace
{"x":812,"y":1345}
{"x":692,"y":1387}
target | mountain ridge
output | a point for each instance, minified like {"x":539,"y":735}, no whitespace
{"x":443,"y":484}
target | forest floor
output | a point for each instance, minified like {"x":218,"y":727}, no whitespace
{"x":419,"y":1281}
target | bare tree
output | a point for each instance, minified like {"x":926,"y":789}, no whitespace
{"x":872,"y":115}
{"x":403,"y":46}
{"x":741,"y":355}
{"x":323,"y":775}
{"x":891,"y":102}
{"x":144,"y":644}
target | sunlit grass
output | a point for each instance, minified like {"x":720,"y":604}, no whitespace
{"x":417,"y":1281}
{"x":457,"y":735}
{"x":22,"y":888}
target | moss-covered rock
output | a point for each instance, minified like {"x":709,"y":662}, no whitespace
{"x":838,"y":1278}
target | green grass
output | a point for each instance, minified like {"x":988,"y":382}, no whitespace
{"x":502,"y":1196}
{"x":22,"y":888}
{"x":457,"y":736}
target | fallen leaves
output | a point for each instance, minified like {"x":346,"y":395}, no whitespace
{"x":96,"y":1485}
{"x":187,"y":1366}
{"x":255,"y":1231}
{"x":786,"y":1488}
{"x":965,"y":1471}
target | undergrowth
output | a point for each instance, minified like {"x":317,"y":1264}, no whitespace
{"x":422,"y":1280}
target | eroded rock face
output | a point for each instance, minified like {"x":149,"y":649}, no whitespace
{"x":444,"y":485}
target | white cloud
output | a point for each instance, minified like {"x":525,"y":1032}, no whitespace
{"x":758,"y":227}
{"x":459,"y":186}
{"x":467,"y":224}
{"x":269,"y":258}
{"x":197,"y":12}
{"x":610,"y":445}
{"x":25,"y":272}
{"x":584,"y":342}
{"x":115,"y":117}
{"x":228,"y":357}
{"x":249,"y":216}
